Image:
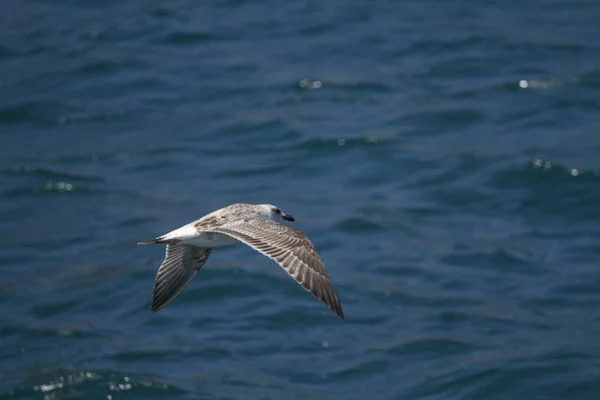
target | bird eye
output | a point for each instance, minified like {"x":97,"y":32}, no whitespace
{"x":277,"y":211}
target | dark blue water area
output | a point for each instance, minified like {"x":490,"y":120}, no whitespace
{"x":443,"y":158}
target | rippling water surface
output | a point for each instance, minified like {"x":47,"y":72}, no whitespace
{"x":443,"y":157}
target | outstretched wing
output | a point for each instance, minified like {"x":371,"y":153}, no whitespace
{"x":292,"y":250}
{"x":178,"y":269}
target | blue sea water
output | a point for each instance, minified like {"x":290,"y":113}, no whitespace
{"x":443,"y":157}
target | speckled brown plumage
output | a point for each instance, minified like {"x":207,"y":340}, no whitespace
{"x":188,"y":248}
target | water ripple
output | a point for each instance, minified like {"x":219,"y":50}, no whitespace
{"x":442,"y":158}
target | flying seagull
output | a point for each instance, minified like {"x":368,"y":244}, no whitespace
{"x":256,"y":225}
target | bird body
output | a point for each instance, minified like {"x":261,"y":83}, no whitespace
{"x":256,"y":225}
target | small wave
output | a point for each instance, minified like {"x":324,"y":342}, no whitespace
{"x":264,"y":171}
{"x":371,"y":88}
{"x":549,"y":83}
{"x":430,"y":120}
{"x":434,"y":347}
{"x":345,"y":143}
{"x":188,"y":38}
{"x":360,"y":369}
{"x":547,"y":189}
{"x":39,"y":112}
{"x":357,"y":224}
{"x":51,"y":187}
{"x":97,"y":68}
{"x":70,"y":384}
{"x":50,"y":174}
{"x":549,"y":166}
{"x":498,"y":259}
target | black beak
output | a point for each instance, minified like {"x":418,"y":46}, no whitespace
{"x":287,"y":217}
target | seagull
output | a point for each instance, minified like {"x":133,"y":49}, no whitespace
{"x":256,"y":225}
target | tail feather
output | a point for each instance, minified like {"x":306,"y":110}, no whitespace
{"x":157,"y":240}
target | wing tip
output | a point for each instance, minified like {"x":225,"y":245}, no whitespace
{"x":336,"y":307}
{"x":155,"y":308}
{"x":159,"y":302}
{"x":330,"y":298}
{"x":159,"y":299}
{"x":325,"y":292}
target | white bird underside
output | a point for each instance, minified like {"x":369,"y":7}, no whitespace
{"x":189,"y":235}
{"x":189,"y":247}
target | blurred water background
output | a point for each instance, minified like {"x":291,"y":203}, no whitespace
{"x":443,"y":157}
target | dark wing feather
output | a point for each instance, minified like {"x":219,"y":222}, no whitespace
{"x":178,"y":269}
{"x":292,"y":250}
